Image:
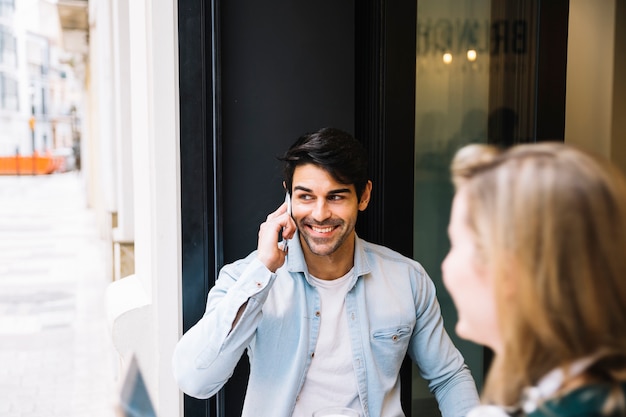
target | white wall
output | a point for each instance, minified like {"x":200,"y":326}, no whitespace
{"x":590,"y":57}
{"x":123,"y":122}
{"x":618,"y":133}
{"x":144,"y":308}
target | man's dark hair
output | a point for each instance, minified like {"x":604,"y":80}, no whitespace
{"x":335,"y":151}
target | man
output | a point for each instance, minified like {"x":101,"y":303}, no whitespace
{"x":326,"y":317}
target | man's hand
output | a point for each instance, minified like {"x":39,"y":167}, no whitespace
{"x":269,"y":250}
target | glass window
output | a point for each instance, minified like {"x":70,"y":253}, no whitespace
{"x":8,"y":47}
{"x":7,"y":7}
{"x":475,"y":72}
{"x":8,"y":93}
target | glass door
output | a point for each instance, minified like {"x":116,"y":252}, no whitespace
{"x":477,"y":78}
{"x":451,"y":109}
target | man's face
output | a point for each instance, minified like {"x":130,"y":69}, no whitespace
{"x":325,"y":211}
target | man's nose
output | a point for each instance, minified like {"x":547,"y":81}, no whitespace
{"x":321,"y":211}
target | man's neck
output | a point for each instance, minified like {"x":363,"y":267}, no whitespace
{"x":333,"y":266}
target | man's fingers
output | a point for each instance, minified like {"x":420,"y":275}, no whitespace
{"x":290,"y":227}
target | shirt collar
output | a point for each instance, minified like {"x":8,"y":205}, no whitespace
{"x":296,"y":262}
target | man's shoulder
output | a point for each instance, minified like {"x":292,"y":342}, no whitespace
{"x":385,"y":253}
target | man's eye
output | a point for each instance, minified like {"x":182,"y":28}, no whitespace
{"x":335,"y":197}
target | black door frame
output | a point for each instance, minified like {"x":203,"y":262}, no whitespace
{"x":200,"y":170}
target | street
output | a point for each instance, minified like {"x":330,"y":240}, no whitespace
{"x":56,"y":357}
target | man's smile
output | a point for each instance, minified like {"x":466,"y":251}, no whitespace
{"x":322,"y":229}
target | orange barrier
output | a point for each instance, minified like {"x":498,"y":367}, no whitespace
{"x":30,"y":164}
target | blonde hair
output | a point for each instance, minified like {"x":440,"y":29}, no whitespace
{"x":549,"y":222}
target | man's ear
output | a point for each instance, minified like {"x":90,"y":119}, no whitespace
{"x":285,"y":186}
{"x":365,"y":197}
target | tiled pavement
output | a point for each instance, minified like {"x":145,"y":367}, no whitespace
{"x":56,"y":357}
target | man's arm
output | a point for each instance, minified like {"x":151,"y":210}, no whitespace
{"x":206,"y":355}
{"x":439,"y":361}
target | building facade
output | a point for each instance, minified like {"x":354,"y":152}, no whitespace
{"x":41,"y":83}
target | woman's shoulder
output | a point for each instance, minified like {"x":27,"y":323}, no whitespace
{"x":587,"y":401}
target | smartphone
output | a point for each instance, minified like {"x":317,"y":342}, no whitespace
{"x":288,"y":201}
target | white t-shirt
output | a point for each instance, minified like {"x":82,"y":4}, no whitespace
{"x":331,"y":380}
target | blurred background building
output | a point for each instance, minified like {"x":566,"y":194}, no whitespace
{"x":42,"y":79}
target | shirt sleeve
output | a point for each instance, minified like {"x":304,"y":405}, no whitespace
{"x":438,"y":360}
{"x":196,"y":368}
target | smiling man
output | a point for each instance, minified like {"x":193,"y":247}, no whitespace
{"x":329,"y":320}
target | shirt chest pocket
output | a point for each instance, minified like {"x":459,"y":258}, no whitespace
{"x":389,"y":346}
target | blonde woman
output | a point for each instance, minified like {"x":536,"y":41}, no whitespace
{"x":537,"y":271}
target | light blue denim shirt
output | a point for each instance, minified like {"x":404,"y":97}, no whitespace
{"x":392,"y":310}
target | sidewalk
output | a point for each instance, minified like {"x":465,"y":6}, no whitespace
{"x":56,"y":357}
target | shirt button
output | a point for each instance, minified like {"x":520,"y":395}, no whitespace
{"x":259,"y":285}
{"x":394,"y":337}
{"x":312,"y":355}
{"x":317,"y":314}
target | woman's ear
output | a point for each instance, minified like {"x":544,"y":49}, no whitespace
{"x":365,"y":197}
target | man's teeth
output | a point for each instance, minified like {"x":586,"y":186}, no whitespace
{"x":322,"y":229}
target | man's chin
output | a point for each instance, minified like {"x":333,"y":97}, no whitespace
{"x":320,"y":246}
{"x":320,"y":250}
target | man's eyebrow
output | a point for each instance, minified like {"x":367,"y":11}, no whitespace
{"x":340,"y":191}
{"x":308,"y":190}
{"x":301,"y":188}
